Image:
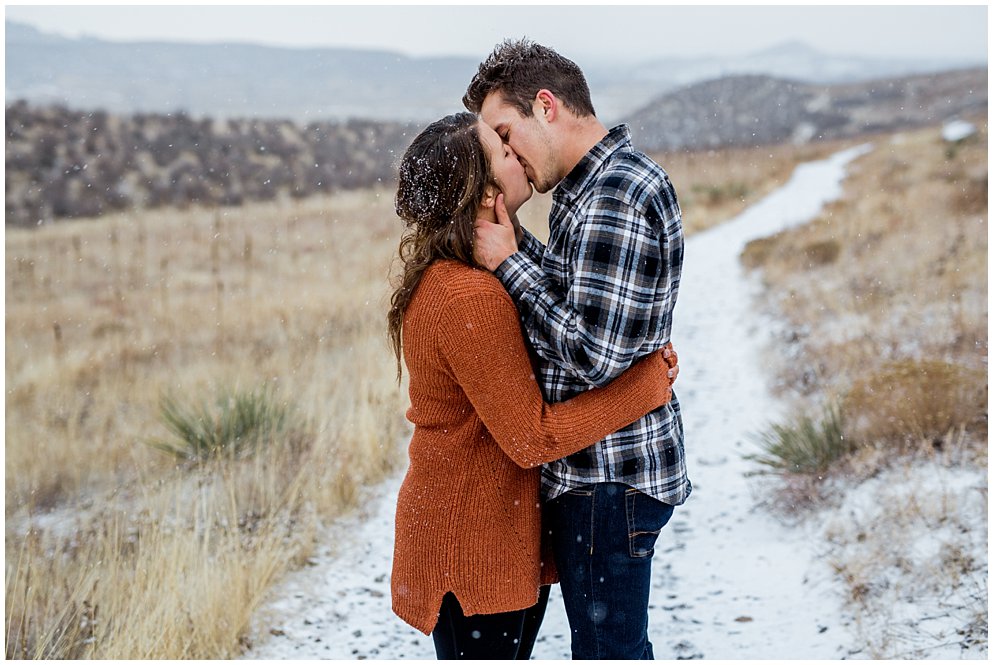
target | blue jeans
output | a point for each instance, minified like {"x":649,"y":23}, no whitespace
{"x":603,"y":537}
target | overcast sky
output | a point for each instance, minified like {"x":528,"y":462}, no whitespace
{"x":585,"y":31}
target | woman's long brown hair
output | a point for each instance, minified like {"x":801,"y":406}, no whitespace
{"x":441,"y":184}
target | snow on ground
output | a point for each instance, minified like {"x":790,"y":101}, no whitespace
{"x":912,"y":544}
{"x":730,"y":581}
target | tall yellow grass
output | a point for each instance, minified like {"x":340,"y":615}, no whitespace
{"x":106,"y":316}
{"x":887,"y":295}
{"x":115,"y":550}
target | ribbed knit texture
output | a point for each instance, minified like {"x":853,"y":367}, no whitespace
{"x":468,"y":513}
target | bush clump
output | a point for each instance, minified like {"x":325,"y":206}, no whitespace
{"x":822,"y":253}
{"x":806,"y":445}
{"x":235,"y":424}
{"x":913,"y":400}
{"x":720,"y":193}
{"x":758,"y":252}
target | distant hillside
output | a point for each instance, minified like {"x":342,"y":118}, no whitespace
{"x":794,"y":61}
{"x":755,"y":110}
{"x":246,"y":80}
{"x":63,"y":163}
{"x":231,"y":80}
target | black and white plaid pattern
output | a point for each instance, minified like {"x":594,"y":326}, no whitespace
{"x":599,"y":297}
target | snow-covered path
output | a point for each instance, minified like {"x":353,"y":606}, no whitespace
{"x":730,"y":582}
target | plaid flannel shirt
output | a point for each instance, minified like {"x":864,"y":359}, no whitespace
{"x":599,"y":297}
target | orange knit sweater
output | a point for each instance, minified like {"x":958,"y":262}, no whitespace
{"x":468,"y":514}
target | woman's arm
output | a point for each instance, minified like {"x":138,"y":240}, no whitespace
{"x":482,"y":343}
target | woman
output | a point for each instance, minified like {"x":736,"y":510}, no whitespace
{"x":467,"y":564}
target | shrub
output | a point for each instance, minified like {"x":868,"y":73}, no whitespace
{"x":760,"y":252}
{"x":757,"y":252}
{"x":236,"y":424}
{"x":911,"y":400}
{"x":971,"y":197}
{"x":821,"y":253}
{"x":717,"y":194}
{"x":805,"y":445}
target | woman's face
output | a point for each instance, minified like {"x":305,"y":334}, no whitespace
{"x":507,"y":171}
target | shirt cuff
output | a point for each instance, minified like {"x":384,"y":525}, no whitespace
{"x":517,"y":274}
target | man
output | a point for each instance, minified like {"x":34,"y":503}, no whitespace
{"x":596,"y":299}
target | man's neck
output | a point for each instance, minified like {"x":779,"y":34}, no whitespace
{"x":583,"y":134}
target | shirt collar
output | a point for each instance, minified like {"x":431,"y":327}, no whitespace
{"x":591,"y":163}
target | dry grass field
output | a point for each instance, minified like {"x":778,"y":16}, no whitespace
{"x":886,"y":295}
{"x":116,"y":549}
{"x":886,"y":292}
{"x":258,"y":334}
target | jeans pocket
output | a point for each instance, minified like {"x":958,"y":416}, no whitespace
{"x":646,"y":516}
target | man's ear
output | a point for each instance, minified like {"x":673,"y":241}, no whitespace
{"x":546,"y":105}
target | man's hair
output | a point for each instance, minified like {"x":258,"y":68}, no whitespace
{"x":519,"y":69}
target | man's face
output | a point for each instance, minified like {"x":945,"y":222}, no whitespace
{"x":529,"y":137}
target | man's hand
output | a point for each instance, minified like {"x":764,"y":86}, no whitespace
{"x":495,"y":242}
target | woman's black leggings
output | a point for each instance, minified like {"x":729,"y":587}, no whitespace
{"x":503,"y":636}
